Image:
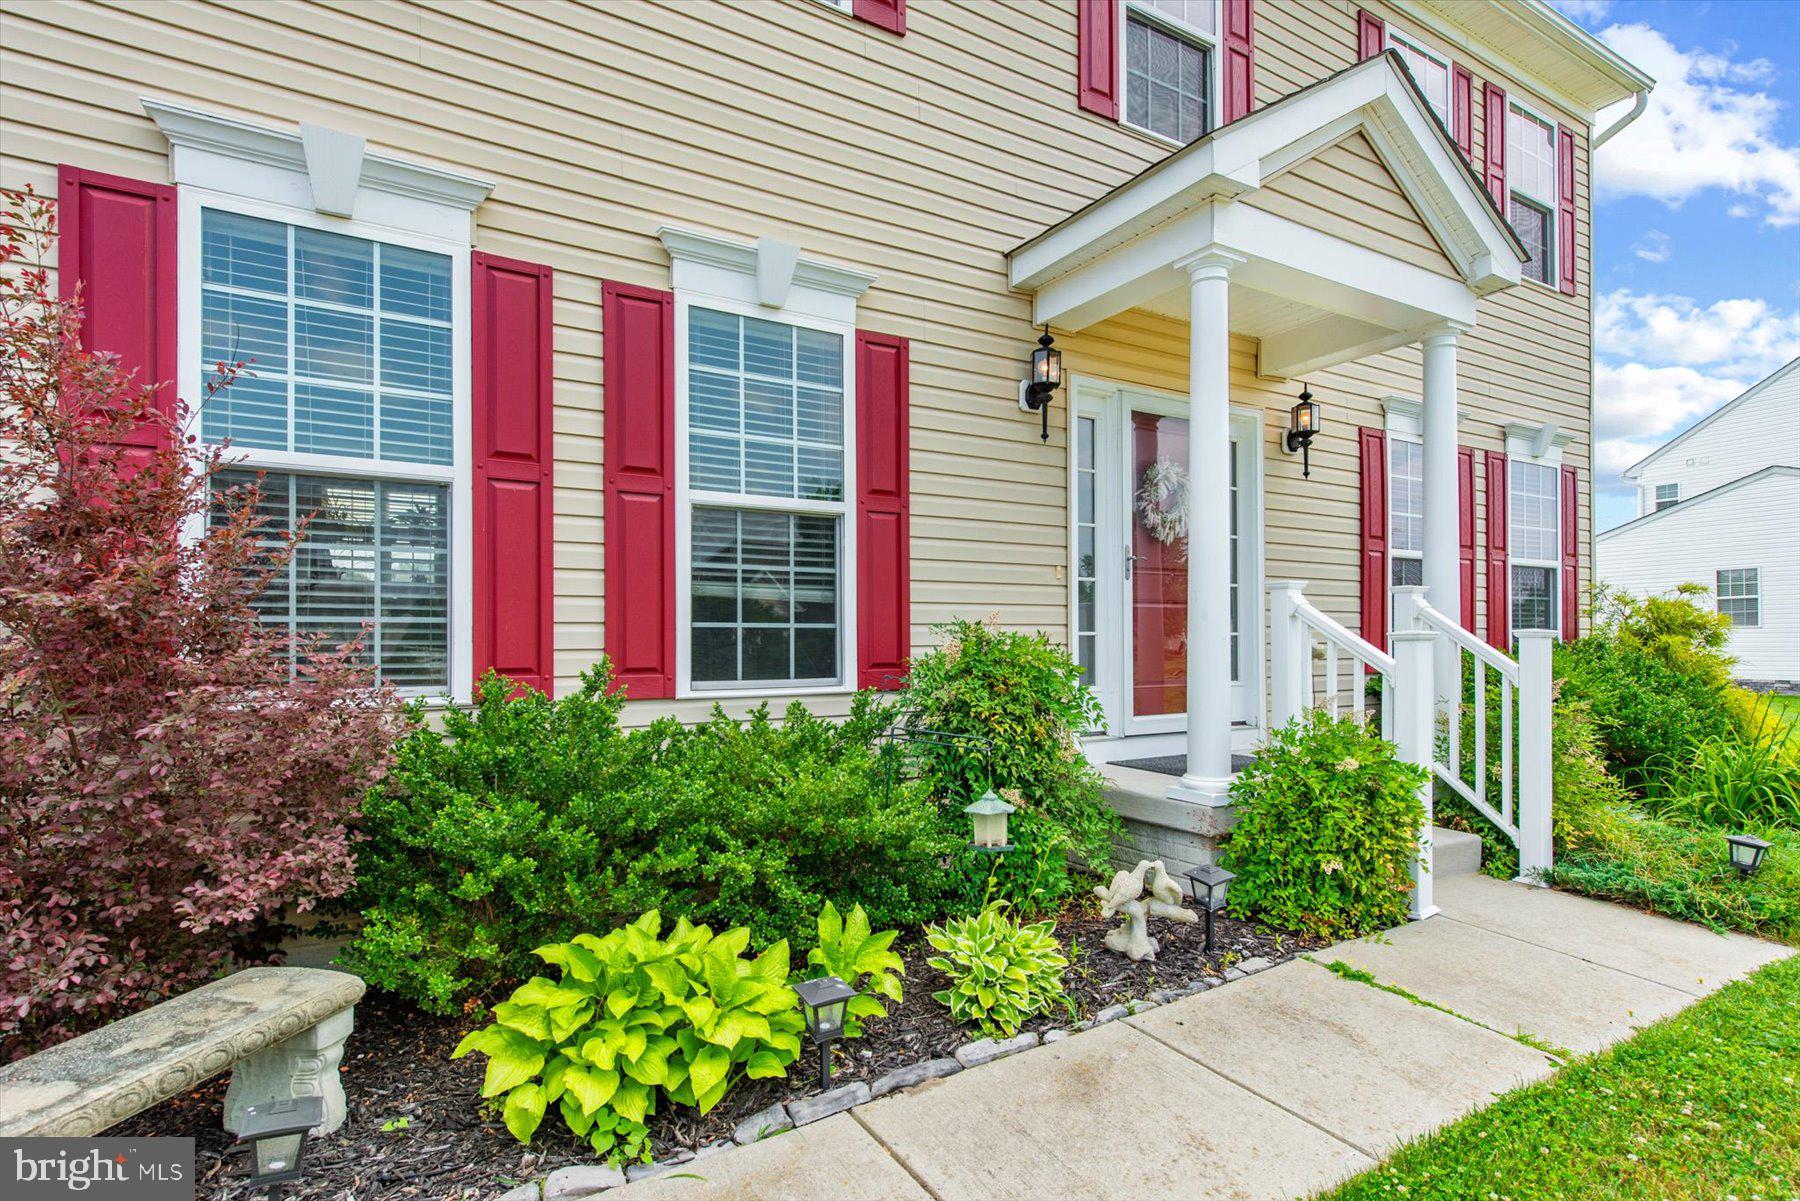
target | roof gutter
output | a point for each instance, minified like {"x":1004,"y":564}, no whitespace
{"x":1638,"y":105}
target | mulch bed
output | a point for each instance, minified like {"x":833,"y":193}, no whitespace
{"x":398,"y":1069}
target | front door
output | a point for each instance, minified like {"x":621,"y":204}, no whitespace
{"x":1130,"y":557}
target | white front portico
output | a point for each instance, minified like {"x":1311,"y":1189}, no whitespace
{"x":1217,"y":235}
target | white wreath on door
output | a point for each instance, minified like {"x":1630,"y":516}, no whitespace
{"x":1162,"y":500}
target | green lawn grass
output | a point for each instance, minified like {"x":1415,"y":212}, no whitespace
{"x":1703,"y":1106}
{"x":1788,"y":707}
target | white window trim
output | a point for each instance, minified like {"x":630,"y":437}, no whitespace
{"x":725,"y":275}
{"x":1211,"y":42}
{"x":229,"y":165}
{"x":1390,"y":35}
{"x":1554,"y":206}
{"x":1756,"y":596}
{"x":1656,"y":502}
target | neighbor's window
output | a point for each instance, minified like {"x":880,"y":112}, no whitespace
{"x":1430,"y":71}
{"x":1406,"y":512}
{"x":1531,"y":175}
{"x":1739,"y":593}
{"x":347,"y":411}
{"x":1667,"y":494}
{"x":1168,"y":66}
{"x":766,"y":489}
{"x":1532,"y":522}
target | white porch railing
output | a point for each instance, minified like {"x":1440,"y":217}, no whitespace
{"x":1310,"y":654}
{"x":1509,"y":783}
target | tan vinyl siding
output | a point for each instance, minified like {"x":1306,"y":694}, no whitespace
{"x":1346,"y":191}
{"x":921,"y":159}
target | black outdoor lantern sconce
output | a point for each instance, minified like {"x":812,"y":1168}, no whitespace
{"x":989,"y":817}
{"x":274,"y":1134}
{"x":824,"y":1001}
{"x":1046,"y":378}
{"x":1303,"y":423}
{"x":1209,"y":884}
{"x":1747,"y":852}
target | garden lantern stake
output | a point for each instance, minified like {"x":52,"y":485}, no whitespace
{"x":1303,"y":423}
{"x":275,"y":1134}
{"x":824,"y":1001}
{"x":1046,"y":378}
{"x":1214,"y":881}
{"x":989,"y":816}
{"x":1747,"y":853}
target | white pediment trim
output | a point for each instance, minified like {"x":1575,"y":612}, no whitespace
{"x":1373,"y":97}
{"x":767,"y":272}
{"x":337,"y":166}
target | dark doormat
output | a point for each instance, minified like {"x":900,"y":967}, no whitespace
{"x":1174,"y":765}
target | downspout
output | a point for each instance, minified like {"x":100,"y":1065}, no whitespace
{"x":1638,"y":105}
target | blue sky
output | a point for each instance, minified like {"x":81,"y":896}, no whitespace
{"x":1697,"y":220}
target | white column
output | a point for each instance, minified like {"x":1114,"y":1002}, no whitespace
{"x":1443,"y":581}
{"x":1208,"y":778}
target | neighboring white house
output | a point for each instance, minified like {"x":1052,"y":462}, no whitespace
{"x":1719,"y":505}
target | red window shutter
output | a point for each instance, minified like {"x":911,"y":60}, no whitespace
{"x":1371,"y":35}
{"x":1373,"y":443}
{"x":117,"y":237}
{"x":639,"y":327}
{"x":1494,"y":106}
{"x":514,"y":492}
{"x":888,"y":14}
{"x":1499,"y":594}
{"x":883,"y":511}
{"x":1565,"y":210}
{"x":1571,"y":555}
{"x":1239,"y":45}
{"x":1462,"y":106}
{"x":1465,"y":526}
{"x":1097,"y":56}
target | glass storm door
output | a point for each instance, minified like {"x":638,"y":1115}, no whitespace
{"x":1128,"y":558}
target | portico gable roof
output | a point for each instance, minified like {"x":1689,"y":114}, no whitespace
{"x":1121,"y":249}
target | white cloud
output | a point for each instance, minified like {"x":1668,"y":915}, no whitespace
{"x":1706,"y":127}
{"x":1653,"y":247}
{"x":1588,"y":11}
{"x":1741,"y":338}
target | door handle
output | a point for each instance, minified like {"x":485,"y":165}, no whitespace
{"x":1129,"y":560}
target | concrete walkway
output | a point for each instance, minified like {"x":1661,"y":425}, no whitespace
{"x":1274,"y":1086}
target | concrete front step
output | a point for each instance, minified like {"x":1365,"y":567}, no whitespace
{"x":1454,"y":852}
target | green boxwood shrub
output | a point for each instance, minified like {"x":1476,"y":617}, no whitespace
{"x":526,"y":821}
{"x":1022,"y":694}
{"x":1327,"y":830}
{"x":1643,"y":707}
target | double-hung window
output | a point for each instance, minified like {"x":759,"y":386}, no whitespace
{"x":1534,"y":525}
{"x":1531,"y":177}
{"x":1169,"y":48}
{"x":1739,"y":594}
{"x":347,"y":412}
{"x":1667,"y":495}
{"x":1430,"y":71}
{"x":1406,"y":512}
{"x":767,"y":420}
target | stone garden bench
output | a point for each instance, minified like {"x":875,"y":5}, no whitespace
{"x":280,"y":1029}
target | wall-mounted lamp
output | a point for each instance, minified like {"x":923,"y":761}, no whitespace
{"x":1303,"y":423}
{"x":1046,"y":378}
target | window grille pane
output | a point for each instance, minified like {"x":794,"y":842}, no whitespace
{"x":765,"y":407}
{"x":764,"y":590}
{"x":1166,"y":82}
{"x":1667,"y":494}
{"x":1406,"y":495}
{"x":374,"y":554}
{"x":1197,"y":13}
{"x":1531,"y":156}
{"x":1533,"y":511}
{"x":1408,"y":572}
{"x":266,"y":286}
{"x":1739,"y":595}
{"x":1430,"y":74}
{"x":1533,"y":226}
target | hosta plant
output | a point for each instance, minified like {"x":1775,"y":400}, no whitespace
{"x":636,"y":1014}
{"x":1001,"y":972}
{"x":850,"y":952}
